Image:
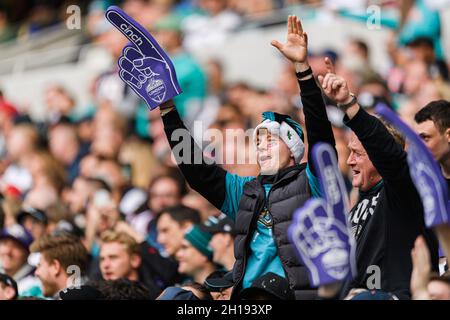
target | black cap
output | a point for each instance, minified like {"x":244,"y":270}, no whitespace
{"x":219,"y":280}
{"x":37,"y":214}
{"x":220,"y":224}
{"x":10,"y":282}
{"x":270,"y":286}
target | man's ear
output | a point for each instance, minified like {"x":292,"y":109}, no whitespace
{"x":447,"y":135}
{"x":228,"y":240}
{"x":186,"y":225}
{"x":135,"y":261}
{"x":56,"y":268}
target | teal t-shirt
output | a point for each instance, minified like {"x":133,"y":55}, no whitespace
{"x":263,"y":257}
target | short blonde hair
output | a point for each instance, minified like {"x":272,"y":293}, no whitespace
{"x":130,"y":244}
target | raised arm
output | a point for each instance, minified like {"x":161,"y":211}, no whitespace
{"x":318,"y":128}
{"x":386,"y":154}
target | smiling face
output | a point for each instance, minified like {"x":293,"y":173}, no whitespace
{"x":272,"y":153}
{"x":365,"y":176}
{"x":12,"y":255}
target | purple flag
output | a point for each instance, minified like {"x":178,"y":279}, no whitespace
{"x":144,"y":66}
{"x":320,"y":231}
{"x":424,"y":170}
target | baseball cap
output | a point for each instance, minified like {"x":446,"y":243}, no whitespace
{"x":9,"y":281}
{"x":270,"y":285}
{"x":19,"y":234}
{"x":219,"y":280}
{"x":220,"y":224}
{"x":37,"y":214}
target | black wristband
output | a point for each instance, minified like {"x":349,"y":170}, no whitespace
{"x":303,"y":74}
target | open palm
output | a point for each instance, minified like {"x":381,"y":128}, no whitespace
{"x":296,"y":46}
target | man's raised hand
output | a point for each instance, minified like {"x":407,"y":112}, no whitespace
{"x":296,"y":47}
{"x":334,"y":86}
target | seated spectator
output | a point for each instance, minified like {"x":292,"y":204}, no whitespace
{"x":121,"y":256}
{"x":34,"y":220}
{"x":15,"y":241}
{"x":134,"y":205}
{"x":166,"y":190}
{"x":195,"y":255}
{"x":66,"y":148}
{"x":222,"y":241}
{"x":172,"y":224}
{"x":62,"y":263}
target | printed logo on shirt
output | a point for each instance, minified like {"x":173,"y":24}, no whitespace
{"x":265,"y":218}
{"x":362,"y":213}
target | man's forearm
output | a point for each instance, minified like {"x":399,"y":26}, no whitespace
{"x":318,"y":127}
{"x":206,"y":179}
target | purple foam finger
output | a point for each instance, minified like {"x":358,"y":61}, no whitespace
{"x":323,"y":244}
{"x":160,"y":85}
{"x":320,"y":230}
{"x":331,"y":181}
{"x":425,"y":172}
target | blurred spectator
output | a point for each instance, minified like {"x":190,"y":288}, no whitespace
{"x":422,"y":49}
{"x":34,"y":221}
{"x":134,"y":205}
{"x":190,"y":75}
{"x":59,"y":103}
{"x":141,"y":160}
{"x":195,"y":201}
{"x":66,"y":148}
{"x":210,"y":28}
{"x":171,"y":224}
{"x":433,"y":126}
{"x":195,"y":255}
{"x":222,"y":242}
{"x":21,"y":142}
{"x":125,"y":256}
{"x":62,"y":263}
{"x":166,"y":190}
{"x":15,"y":241}
{"x":119,"y":256}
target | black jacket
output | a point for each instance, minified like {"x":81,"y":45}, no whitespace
{"x":388,"y":218}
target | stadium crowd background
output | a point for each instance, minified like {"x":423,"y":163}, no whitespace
{"x":81,"y":153}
